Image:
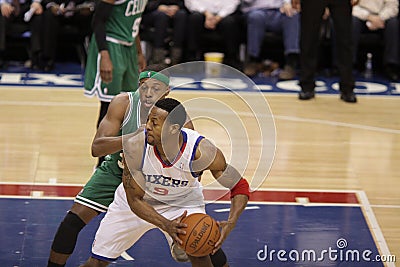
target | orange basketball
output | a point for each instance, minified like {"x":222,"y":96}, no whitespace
{"x":202,"y":233}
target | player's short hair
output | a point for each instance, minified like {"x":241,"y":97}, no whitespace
{"x":177,"y":112}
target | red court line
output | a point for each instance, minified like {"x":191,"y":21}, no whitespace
{"x":290,"y":196}
{"x":209,"y":194}
{"x":48,"y":190}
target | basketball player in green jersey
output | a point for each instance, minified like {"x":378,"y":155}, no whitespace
{"x":115,"y":56}
{"x":126,"y":113}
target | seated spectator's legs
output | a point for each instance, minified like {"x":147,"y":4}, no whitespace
{"x":358,"y":28}
{"x":194,"y":32}
{"x":2,"y":39}
{"x":342,"y":21}
{"x":311,"y":18}
{"x":51,"y":25}
{"x":290,"y":28}
{"x":391,"y":33}
{"x":36,"y":39}
{"x":291,"y":33}
{"x":256,"y":25}
{"x":228,"y":28}
{"x":179,"y":26}
{"x":161,"y":24}
{"x":391,"y":56}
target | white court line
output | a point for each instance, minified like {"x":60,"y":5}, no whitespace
{"x":126,"y":256}
{"x":246,"y":208}
{"x":307,"y":120}
{"x":222,"y":201}
{"x":48,"y":103}
{"x":207,"y":188}
{"x":303,"y":200}
{"x":40,"y":184}
{"x":376,"y":230}
{"x":290,"y":204}
{"x":336,"y":123}
{"x":386,"y":206}
{"x":281,"y":117}
{"x":32,"y":197}
{"x":210,"y":202}
{"x":369,"y":214}
{"x":292,"y":190}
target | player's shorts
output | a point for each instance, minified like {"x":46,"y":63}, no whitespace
{"x":121,"y":228}
{"x":98,"y":193}
{"x":125,"y":71}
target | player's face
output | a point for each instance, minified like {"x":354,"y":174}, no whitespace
{"x":151,"y":90}
{"x":154,"y":125}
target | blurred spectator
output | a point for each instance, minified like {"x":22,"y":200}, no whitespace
{"x":57,"y":14}
{"x":115,"y":55}
{"x":275,"y":16}
{"x":12,"y":13}
{"x":311,"y":20}
{"x":164,"y":14}
{"x":214,"y":15}
{"x":379,"y":16}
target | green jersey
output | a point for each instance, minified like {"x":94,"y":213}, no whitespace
{"x":130,"y":124}
{"x":123,"y":24}
{"x":98,"y":193}
{"x":122,"y":27}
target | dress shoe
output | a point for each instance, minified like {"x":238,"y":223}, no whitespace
{"x":306,"y":95}
{"x":3,"y":64}
{"x":48,"y":66}
{"x":287,"y":73}
{"x":252,"y":68}
{"x":348,"y":97}
{"x":391,"y":73}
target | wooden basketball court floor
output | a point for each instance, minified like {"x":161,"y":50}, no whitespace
{"x":323,"y":146}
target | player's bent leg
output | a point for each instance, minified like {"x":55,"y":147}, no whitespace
{"x":84,"y":212}
{"x":92,"y":262}
{"x":178,"y":254}
{"x":67,"y":234}
{"x":65,"y":239}
{"x":219,"y":259}
{"x":200,"y":261}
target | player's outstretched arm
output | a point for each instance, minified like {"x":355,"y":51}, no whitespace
{"x":141,"y":58}
{"x":229,"y":177}
{"x":134,"y":184}
{"x":100,"y":17}
{"x":107,"y":139}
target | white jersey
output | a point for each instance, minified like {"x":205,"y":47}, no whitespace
{"x":171,"y":189}
{"x":175,"y":183}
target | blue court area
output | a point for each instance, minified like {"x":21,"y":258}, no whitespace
{"x":266,"y":235}
{"x":71,"y":75}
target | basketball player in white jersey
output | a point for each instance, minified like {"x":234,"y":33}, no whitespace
{"x":160,"y":188}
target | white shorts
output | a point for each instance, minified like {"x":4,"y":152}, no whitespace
{"x":121,"y":228}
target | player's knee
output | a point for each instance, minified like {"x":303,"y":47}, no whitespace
{"x":67,"y":234}
{"x":219,"y":259}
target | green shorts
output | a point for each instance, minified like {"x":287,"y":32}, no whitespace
{"x":125,"y":71}
{"x":98,"y":193}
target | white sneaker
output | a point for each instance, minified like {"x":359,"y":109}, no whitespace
{"x":178,"y":254}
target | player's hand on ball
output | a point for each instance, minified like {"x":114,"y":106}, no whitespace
{"x":226,"y":228}
{"x":176,"y":226}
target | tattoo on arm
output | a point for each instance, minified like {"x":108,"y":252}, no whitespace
{"x":127,"y":179}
